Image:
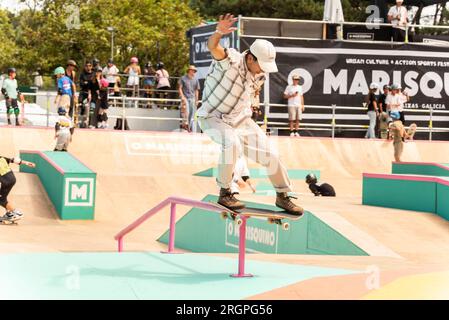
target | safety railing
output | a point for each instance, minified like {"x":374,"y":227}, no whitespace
{"x":369,"y":24}
{"x":333,"y":118}
{"x":174,"y":202}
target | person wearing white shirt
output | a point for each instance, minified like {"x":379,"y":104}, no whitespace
{"x":398,"y":17}
{"x":395,"y":101}
{"x":111,"y":73}
{"x":295,"y":98}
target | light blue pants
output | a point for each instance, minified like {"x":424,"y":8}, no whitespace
{"x":191,"y":109}
{"x":371,"y":134}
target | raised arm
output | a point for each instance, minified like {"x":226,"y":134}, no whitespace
{"x":224,"y":26}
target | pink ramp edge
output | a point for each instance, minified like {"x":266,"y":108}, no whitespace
{"x":173,"y":201}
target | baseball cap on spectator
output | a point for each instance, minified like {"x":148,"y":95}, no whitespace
{"x":386,"y":87}
{"x":111,"y":61}
{"x":394,"y":86}
{"x":192,"y":67}
{"x":373,"y":86}
{"x":265,"y":53}
{"x":72,"y":63}
{"x":296,"y":77}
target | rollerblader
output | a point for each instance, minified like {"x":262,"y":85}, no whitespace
{"x":64,"y":130}
{"x":7,"y":182}
{"x":324,"y":189}
{"x":11,"y":92}
{"x":225,"y":115}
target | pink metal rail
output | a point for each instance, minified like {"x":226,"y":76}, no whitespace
{"x":173,"y":201}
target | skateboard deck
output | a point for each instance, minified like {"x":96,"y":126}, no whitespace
{"x":7,"y":221}
{"x":272,"y":216}
{"x":411,"y":131}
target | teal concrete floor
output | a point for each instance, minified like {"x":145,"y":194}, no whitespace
{"x":143,"y":276}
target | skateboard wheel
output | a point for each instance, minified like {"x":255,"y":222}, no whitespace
{"x":238,"y":221}
{"x":286,"y":226}
{"x":224,"y":215}
{"x":270,"y":221}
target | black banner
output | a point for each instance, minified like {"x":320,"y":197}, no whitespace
{"x":339,"y":73}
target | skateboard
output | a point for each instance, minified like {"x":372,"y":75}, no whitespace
{"x":411,"y":131}
{"x":383,"y":125}
{"x":273,"y":217}
{"x":6,"y":221}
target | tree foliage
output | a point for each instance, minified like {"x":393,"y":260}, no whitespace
{"x":354,"y":10}
{"x":49,"y":33}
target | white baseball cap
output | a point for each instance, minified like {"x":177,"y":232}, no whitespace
{"x":373,"y":86}
{"x":265,"y":53}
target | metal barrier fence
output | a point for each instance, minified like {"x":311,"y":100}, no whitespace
{"x":332,"y":125}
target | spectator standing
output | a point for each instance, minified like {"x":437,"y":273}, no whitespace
{"x":71,"y":73}
{"x":149,"y":81}
{"x":189,"y":88}
{"x":383,"y":115}
{"x":163,"y":80}
{"x":10,"y":90}
{"x":398,"y":16}
{"x":38,"y":80}
{"x":373,"y":111}
{"x":99,"y":92}
{"x":65,"y":86}
{"x":404,"y":98}
{"x":133,"y":71}
{"x":85,"y":98}
{"x":295,"y":98}
{"x":110,"y":72}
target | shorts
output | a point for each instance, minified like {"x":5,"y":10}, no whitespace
{"x":10,"y":105}
{"x":398,"y":148}
{"x":65,"y":101}
{"x":294,"y":113}
{"x":149,"y":82}
{"x":63,"y":140}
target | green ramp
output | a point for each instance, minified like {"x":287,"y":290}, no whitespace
{"x":206,"y":232}
{"x":424,"y":168}
{"x":261,"y":173}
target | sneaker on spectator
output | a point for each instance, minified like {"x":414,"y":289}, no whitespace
{"x":297,"y":134}
{"x":292,"y":134}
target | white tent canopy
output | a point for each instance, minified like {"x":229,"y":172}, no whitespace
{"x":333,"y":11}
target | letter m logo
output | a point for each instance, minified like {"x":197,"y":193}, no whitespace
{"x":79,"y":192}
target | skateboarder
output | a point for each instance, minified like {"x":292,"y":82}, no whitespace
{"x":11,"y":92}
{"x":65,"y":89}
{"x":399,"y":135}
{"x":64,"y":129}
{"x":324,"y":189}
{"x":225,"y":115}
{"x":240,"y":177}
{"x":7,"y":181}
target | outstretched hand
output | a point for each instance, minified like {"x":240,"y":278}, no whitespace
{"x":225,"y":23}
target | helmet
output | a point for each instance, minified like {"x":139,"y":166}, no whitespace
{"x":311,"y":178}
{"x":134,"y":60}
{"x":11,"y":70}
{"x":98,"y":69}
{"x":95,"y":61}
{"x":373,"y":86}
{"x":394,"y":86}
{"x":148,"y":64}
{"x":59,"y":70}
{"x":62,"y":111}
{"x":160,"y":65}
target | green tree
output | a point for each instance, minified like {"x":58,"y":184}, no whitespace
{"x":354,"y":10}
{"x":8,"y":48}
{"x":49,"y":33}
